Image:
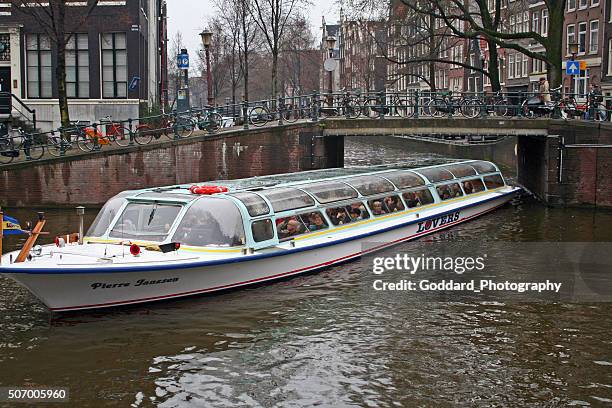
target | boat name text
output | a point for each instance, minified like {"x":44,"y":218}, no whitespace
{"x":438,"y":222}
{"x":139,"y":282}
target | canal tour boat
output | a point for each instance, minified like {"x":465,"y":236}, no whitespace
{"x":169,"y":242}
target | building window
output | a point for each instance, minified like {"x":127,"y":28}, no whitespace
{"x":594,"y":37}
{"x":582,"y":4}
{"x":581,"y":83}
{"x":114,"y":65}
{"x":544,"y":22}
{"x":610,"y":57}
{"x":535,"y":22}
{"x":77,"y":66}
{"x":582,"y":29}
{"x":511,"y":66}
{"x":594,"y":3}
{"x":525,"y":69}
{"x":571,"y":36}
{"x":571,"y":5}
{"x":525,"y":21}
{"x":5,"y":47}
{"x":38,"y":54}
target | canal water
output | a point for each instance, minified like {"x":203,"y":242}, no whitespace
{"x":318,"y":340}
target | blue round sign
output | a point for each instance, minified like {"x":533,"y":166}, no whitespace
{"x":182,"y":61}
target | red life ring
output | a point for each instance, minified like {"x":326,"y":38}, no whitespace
{"x":207,"y":190}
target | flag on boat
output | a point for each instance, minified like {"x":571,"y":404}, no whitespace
{"x":11,"y":226}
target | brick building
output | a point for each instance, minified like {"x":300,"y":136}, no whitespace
{"x":114,"y":62}
{"x":588,"y":23}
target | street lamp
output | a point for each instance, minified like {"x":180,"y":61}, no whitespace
{"x":331,"y":42}
{"x":206,"y":40}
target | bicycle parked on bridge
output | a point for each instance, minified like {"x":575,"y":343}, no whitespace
{"x":447,"y":104}
{"x":91,"y":137}
{"x":11,"y":146}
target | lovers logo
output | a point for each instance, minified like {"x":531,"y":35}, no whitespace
{"x":437,"y":222}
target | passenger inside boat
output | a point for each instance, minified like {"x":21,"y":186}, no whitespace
{"x":393,"y":204}
{"x":338,"y":215}
{"x":314,"y":221}
{"x":377,"y":207}
{"x":289,"y":227}
{"x":357,"y":211}
{"x":473,"y":186}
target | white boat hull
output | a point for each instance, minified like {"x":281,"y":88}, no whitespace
{"x":75,"y":290}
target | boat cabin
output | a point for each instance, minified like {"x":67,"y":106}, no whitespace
{"x":259,"y":217}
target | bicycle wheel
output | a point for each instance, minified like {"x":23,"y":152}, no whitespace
{"x":370,"y":108}
{"x":215,"y":121}
{"x":34,"y":149}
{"x":259,"y":116}
{"x":54,"y":145}
{"x":120,"y":135}
{"x":436,"y":108}
{"x":471,"y":108}
{"x":143,"y":134}
{"x":184,"y":127}
{"x":404,"y":108}
{"x":7,"y":151}
{"x":85,"y":142}
{"x":500,"y":107}
{"x":290,"y":115}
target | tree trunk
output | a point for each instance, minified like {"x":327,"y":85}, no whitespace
{"x":274,"y":73}
{"x":60,"y":71}
{"x":554,"y":43}
{"x":493,"y":71}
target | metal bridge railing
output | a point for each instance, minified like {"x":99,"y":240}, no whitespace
{"x":109,"y":133}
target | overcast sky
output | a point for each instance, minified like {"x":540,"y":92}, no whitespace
{"x":189,"y":17}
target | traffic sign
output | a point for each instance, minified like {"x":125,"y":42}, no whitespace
{"x":583,"y":65}
{"x":330,"y":64}
{"x":182,"y":61}
{"x":572,"y":67}
{"x":134,"y":83}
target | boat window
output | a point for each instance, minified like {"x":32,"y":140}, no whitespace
{"x":417,"y":198}
{"x":370,"y":185}
{"x":436,"y":174}
{"x":262,"y":230}
{"x":357,"y":211}
{"x":338,"y":215}
{"x":330,"y":192}
{"x":254,"y":204}
{"x":461,"y":170}
{"x":404,"y":179}
{"x":284,"y":199}
{"x":494,"y":181}
{"x":449,"y":191}
{"x":106,"y":215}
{"x":473,"y":186}
{"x":314,"y":221}
{"x":483,"y":167}
{"x":290,"y":227}
{"x":211,"y":221}
{"x":145,"y":221}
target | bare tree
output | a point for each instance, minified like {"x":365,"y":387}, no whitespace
{"x":481,"y":20}
{"x":272,"y":16}
{"x":300,"y":61}
{"x":59,"y":21}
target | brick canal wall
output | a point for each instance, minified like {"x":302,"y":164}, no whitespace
{"x":91,"y":178}
{"x":570,"y":167}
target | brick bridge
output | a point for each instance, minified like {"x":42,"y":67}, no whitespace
{"x":561,"y":162}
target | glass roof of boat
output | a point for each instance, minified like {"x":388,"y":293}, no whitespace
{"x":397,"y":174}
